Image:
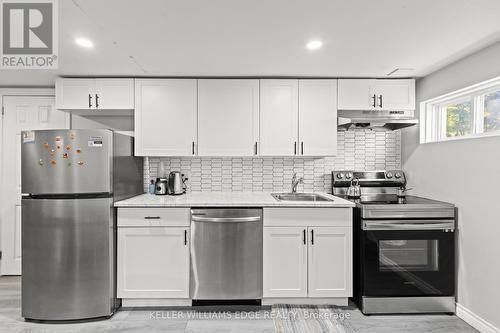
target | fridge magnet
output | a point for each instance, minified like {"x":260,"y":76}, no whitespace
{"x":28,"y":136}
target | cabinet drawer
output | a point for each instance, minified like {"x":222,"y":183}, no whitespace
{"x":319,"y":217}
{"x":147,"y":217}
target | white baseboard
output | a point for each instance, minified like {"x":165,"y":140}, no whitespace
{"x":340,"y":301}
{"x":145,"y":302}
{"x":475,"y":321}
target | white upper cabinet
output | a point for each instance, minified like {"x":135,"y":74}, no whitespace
{"x":298,"y":117}
{"x":76,"y":94}
{"x":95,"y":94}
{"x":228,"y":117}
{"x":117,"y":94}
{"x":279,"y":117}
{"x":376,"y":94}
{"x":318,"y":117}
{"x":395,"y":94}
{"x":165,"y":117}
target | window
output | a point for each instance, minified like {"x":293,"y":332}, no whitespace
{"x":469,"y":112}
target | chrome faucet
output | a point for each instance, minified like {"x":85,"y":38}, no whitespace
{"x":296,"y":181}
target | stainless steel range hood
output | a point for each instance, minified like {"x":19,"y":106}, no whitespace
{"x":375,"y":120}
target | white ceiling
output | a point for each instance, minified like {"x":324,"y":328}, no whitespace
{"x":362,"y":38}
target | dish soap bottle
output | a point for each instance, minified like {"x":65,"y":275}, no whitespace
{"x":152,"y":187}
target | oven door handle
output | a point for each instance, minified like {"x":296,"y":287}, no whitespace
{"x":445,"y":225}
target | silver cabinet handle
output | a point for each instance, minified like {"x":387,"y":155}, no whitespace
{"x":151,"y":217}
{"x":96,"y":100}
{"x":304,"y":237}
{"x":185,"y":237}
{"x":312,"y":236}
{"x":302,"y":147}
{"x":192,"y":147}
{"x":90,"y":100}
{"x":374,"y":102}
{"x":295,"y":148}
{"x":256,"y":149}
{"x":225,"y":219}
{"x":380,"y":100}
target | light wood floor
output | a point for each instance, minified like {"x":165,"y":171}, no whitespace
{"x":163,"y":321}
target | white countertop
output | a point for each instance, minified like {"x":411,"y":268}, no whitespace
{"x":226,"y":199}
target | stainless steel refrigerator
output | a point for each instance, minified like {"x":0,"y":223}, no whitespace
{"x":70,"y":179}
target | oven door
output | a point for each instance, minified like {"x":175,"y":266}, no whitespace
{"x":408,"y":258}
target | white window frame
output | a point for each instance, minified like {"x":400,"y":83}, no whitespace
{"x":433,"y":112}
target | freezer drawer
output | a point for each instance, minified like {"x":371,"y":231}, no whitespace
{"x":68,"y":259}
{"x":226,"y":254}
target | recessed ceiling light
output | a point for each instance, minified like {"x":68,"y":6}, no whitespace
{"x":84,"y":42}
{"x":314,"y":44}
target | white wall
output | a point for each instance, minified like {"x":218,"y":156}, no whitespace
{"x":466,"y":173}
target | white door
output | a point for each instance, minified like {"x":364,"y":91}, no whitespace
{"x":285,"y":262}
{"x":165,"y":117}
{"x":395,"y":94}
{"x":153,"y":262}
{"x":21,"y":113}
{"x":76,"y":94}
{"x":318,"y":117}
{"x":114,"y":94}
{"x":279,"y":117}
{"x":330,"y":262}
{"x":356,"y":94}
{"x":228,"y":117}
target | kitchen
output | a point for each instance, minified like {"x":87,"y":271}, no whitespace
{"x":218,"y":187}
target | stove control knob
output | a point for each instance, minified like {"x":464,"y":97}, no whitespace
{"x":340,"y":175}
{"x":388,"y":175}
{"x":348,"y":175}
{"x":397,"y":175}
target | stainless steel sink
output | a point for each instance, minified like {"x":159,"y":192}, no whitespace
{"x":299,"y":197}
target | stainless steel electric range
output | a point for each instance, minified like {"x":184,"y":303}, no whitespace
{"x":404,"y":246}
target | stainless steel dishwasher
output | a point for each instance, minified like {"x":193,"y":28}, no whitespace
{"x":226,"y":254}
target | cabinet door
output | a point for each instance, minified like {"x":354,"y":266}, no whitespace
{"x":330,"y":262}
{"x":395,"y":94}
{"x":228,"y":112}
{"x":278,"y":117}
{"x":285,"y":262}
{"x":153,"y":262}
{"x":75,"y":94}
{"x":114,"y":94}
{"x":356,"y":94}
{"x":165,"y":117}
{"x":318,"y":117}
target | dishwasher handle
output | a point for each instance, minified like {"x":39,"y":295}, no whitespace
{"x":196,"y":218}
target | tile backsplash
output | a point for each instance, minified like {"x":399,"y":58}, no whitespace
{"x":357,"y":150}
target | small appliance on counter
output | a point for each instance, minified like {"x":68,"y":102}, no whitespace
{"x":404,"y":246}
{"x":161,"y":186}
{"x":176,"y":183}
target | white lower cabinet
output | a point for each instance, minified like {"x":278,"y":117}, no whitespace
{"x":285,"y":262}
{"x":306,"y":258}
{"x":153,"y":262}
{"x":330,"y":262}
